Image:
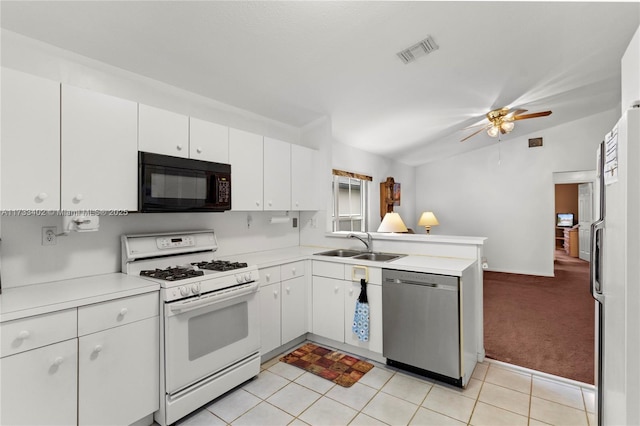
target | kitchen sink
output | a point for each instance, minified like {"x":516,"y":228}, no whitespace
{"x":379,"y":257}
{"x":340,"y":253}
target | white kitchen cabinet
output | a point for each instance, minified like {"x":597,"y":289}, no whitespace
{"x":283,"y":301}
{"x":277,"y":174}
{"x":328,"y":308}
{"x":270,"y":309}
{"x":246,"y":159}
{"x":119,"y":366}
{"x":208,"y":141}
{"x":163,"y":132}
{"x":30,"y":142}
{"x":99,"y":151}
{"x":294,"y":300}
{"x":119,"y":371}
{"x":304,"y":178}
{"x":39,"y":387}
{"x":336,"y":288}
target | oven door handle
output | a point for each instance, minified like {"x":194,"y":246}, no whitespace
{"x":217,"y":297}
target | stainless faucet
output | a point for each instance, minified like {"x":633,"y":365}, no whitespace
{"x":368,"y":244}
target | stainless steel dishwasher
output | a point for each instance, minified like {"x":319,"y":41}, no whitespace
{"x":421,"y":324}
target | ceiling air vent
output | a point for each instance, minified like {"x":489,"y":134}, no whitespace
{"x":419,"y":49}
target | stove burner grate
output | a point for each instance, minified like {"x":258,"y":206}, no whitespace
{"x":172,"y":274}
{"x":220,"y":265}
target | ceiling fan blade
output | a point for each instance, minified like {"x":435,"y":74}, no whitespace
{"x":512,"y":114}
{"x":476,"y":132}
{"x":533,"y":115}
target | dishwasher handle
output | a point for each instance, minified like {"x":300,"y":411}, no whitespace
{"x":421,"y":283}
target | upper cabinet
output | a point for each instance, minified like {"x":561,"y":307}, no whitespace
{"x":304,"y":178}
{"x":30,"y":142}
{"x":99,"y":151}
{"x":246,"y":158}
{"x":277,"y":175}
{"x":208,"y":141}
{"x":163,"y":132}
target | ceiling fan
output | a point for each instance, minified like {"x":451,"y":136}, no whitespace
{"x":501,"y":121}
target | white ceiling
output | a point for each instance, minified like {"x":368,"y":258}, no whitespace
{"x":296,"y":62}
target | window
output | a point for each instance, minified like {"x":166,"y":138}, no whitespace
{"x":350,"y":195}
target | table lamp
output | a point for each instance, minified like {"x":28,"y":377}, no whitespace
{"x":428,"y":219}
{"x":392,"y":222}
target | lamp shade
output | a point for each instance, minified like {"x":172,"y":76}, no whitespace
{"x":428,"y":219}
{"x":392,"y":222}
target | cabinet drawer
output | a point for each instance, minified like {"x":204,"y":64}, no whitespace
{"x":37,"y":331}
{"x":292,"y":270}
{"x":328,"y":269}
{"x":357,"y":272}
{"x":269,"y":275}
{"x":113,"y":313}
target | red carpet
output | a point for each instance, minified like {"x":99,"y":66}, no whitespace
{"x":542,"y":323}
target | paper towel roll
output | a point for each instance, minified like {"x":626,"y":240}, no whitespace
{"x":281,"y":219}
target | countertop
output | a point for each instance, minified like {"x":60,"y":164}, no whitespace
{"x":418,"y":263}
{"x":36,"y":299}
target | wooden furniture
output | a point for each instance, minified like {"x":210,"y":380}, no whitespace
{"x":386,"y":197}
{"x":569,"y":240}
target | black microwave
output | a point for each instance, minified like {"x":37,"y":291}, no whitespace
{"x":173,"y":184}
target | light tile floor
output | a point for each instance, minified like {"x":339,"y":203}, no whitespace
{"x":497,"y":394}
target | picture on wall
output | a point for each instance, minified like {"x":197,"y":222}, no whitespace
{"x":396,"y":194}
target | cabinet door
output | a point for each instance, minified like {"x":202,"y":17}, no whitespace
{"x":163,"y":132}
{"x":277,"y":175}
{"x":294,"y":312}
{"x":245,"y":156}
{"x":269,"y":317}
{"x":99,"y":151}
{"x":119,"y":373}
{"x":328,"y":308}
{"x":304,"y":178}
{"x":39,"y":387}
{"x":374,"y":295}
{"x":30,"y":142}
{"x":208,"y":141}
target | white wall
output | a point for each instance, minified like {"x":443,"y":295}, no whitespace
{"x":505,"y":192}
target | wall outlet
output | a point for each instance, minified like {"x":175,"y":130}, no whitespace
{"x":49,"y":237}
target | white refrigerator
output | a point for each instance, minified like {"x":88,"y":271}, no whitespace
{"x":615,"y":274}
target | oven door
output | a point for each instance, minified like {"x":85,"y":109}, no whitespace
{"x":207,"y":334}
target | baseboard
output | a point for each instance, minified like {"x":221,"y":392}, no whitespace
{"x":541,"y":374}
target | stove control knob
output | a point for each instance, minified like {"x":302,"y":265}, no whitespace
{"x":247,"y":277}
{"x":184,"y":291}
{"x":195,"y":288}
{"x":239,"y":279}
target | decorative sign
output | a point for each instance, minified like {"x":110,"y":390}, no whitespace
{"x":396,"y":194}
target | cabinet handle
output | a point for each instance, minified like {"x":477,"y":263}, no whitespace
{"x":199,"y":150}
{"x":123,"y":312}
{"x":23,"y":335}
{"x":268,"y":277}
{"x":296,"y":204}
{"x":58,"y":361}
{"x":275,"y":293}
{"x":293,"y":271}
{"x":257,"y":203}
{"x":179,"y":147}
{"x":97,"y":349}
{"x":288,"y":290}
{"x":270,"y":203}
{"x":350,"y":292}
{"x":78,"y":198}
{"x":336,"y":289}
{"x":42,"y":196}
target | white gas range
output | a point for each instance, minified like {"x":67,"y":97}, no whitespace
{"x":210,"y":330}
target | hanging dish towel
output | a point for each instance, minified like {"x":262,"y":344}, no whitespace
{"x":361,"y":316}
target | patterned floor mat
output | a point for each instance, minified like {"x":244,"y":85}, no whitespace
{"x":342,"y":369}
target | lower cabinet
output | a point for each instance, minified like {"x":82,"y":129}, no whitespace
{"x":97,"y":364}
{"x":334,"y":301}
{"x":118,"y":374}
{"x":39,"y":387}
{"x":283,"y":299}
